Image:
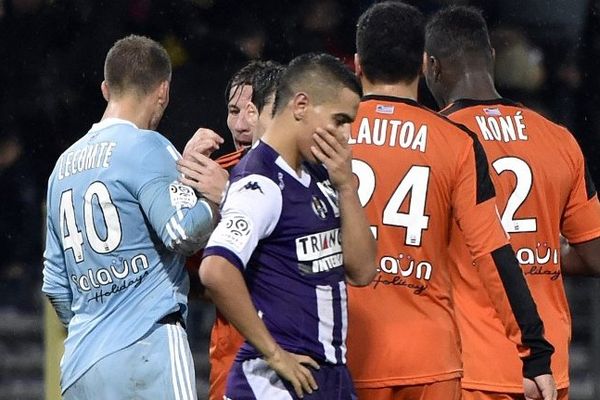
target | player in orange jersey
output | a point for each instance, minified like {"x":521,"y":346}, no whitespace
{"x":543,"y":189}
{"x":250,"y":94}
{"x":418,"y":174}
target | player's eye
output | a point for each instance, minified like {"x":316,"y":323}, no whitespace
{"x":340,"y":120}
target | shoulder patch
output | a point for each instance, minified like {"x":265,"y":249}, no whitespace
{"x":234,"y":230}
{"x":182,"y":196}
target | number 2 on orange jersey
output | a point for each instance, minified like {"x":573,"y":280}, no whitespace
{"x":524,"y":178}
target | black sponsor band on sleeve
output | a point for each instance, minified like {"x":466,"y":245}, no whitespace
{"x":589,"y":183}
{"x":485,"y":187}
{"x":525,"y":312}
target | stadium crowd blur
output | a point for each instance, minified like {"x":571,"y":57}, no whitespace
{"x":52,"y":53}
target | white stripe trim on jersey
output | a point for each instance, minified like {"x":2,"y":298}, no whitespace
{"x":178,"y":228}
{"x":170,"y":231}
{"x":174,"y":153}
{"x":175,"y":356}
{"x":185,"y":359}
{"x":264,"y":382}
{"x":174,"y":380}
{"x":182,"y":358}
{"x":326,"y":322}
{"x":185,"y":391}
{"x":344,"y":306}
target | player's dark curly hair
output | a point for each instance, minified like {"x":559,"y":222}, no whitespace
{"x":390,"y":42}
{"x":458,"y":33}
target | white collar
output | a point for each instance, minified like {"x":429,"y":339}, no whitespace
{"x":303,"y":178}
{"x":105,"y":123}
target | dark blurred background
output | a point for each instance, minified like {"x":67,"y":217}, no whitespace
{"x":51,"y":60}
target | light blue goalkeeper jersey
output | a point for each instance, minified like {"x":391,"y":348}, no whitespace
{"x":118,"y":226}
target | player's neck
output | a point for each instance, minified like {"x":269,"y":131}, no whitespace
{"x":476,"y":85}
{"x":408,"y":91}
{"x":282,"y":139}
{"x":129,"y":110}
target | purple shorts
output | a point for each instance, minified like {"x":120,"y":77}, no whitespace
{"x":254,"y":380}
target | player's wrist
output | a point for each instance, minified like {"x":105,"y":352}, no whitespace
{"x":346,"y":188}
{"x":273,"y":354}
{"x":536,"y":366}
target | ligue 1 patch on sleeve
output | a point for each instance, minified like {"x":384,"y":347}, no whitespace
{"x":182,"y":196}
{"x":234,"y":231}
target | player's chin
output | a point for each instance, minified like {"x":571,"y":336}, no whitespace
{"x":242,"y":144}
{"x":311,"y":158}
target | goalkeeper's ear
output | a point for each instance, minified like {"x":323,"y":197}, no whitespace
{"x":105,"y":90}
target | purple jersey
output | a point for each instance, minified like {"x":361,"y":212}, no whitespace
{"x":282,"y":230}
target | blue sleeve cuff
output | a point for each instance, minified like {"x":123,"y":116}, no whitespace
{"x":62,"y":308}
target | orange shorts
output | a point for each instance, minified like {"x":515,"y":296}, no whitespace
{"x":447,"y":390}
{"x":225,"y":341}
{"x":219,"y":370}
{"x":469,"y":394}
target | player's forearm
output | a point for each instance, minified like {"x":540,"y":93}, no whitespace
{"x":55,"y":280}
{"x":503,"y":279}
{"x":195,"y":226}
{"x":183,"y":221}
{"x":228,"y":291}
{"x":581,"y":258}
{"x":358,"y":244}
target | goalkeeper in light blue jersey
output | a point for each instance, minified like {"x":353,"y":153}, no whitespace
{"x":119,"y":225}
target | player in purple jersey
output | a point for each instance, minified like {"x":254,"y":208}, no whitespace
{"x":276,"y":265}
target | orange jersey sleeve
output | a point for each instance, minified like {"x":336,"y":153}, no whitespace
{"x":581,"y":216}
{"x":417,"y":173}
{"x":541,"y":184}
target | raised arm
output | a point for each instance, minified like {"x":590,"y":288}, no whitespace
{"x":181,"y":219}
{"x":358,"y":244}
